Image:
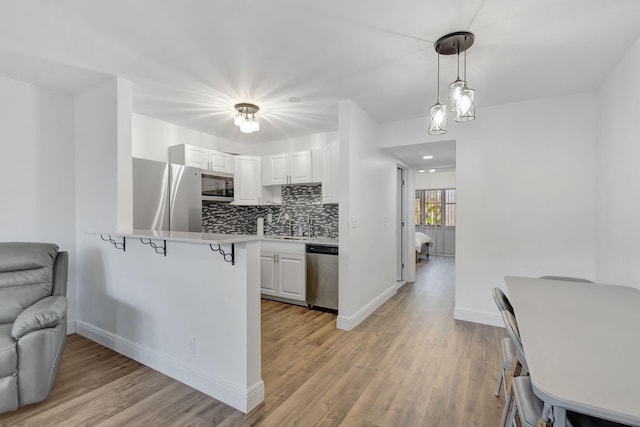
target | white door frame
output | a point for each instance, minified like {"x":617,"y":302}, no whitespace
{"x":405,"y":236}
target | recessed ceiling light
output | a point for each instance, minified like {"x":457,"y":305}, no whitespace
{"x":422,"y":171}
{"x":427,"y":157}
{"x":432,"y":170}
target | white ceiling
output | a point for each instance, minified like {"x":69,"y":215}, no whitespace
{"x":191,"y":61}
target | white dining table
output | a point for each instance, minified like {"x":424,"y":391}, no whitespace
{"x":582,"y":344}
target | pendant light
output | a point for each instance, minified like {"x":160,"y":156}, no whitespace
{"x":465,"y":108}
{"x":438,"y":113}
{"x":456,"y":86}
{"x":461,"y":97}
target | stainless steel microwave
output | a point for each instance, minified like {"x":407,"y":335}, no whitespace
{"x":217,"y":186}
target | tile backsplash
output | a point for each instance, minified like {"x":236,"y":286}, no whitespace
{"x":298,"y":201}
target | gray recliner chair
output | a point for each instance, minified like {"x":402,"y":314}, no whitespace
{"x":33,"y":321}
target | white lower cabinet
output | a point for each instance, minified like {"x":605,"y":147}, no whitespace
{"x":283,"y":270}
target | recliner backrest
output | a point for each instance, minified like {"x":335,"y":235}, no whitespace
{"x":60,"y":272}
{"x":26,"y":276}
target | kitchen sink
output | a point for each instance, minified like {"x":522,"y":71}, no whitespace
{"x":293,"y":238}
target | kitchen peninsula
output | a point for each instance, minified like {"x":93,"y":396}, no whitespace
{"x":185,"y":304}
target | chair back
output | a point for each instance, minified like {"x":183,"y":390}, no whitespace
{"x":502,"y":301}
{"x":26,"y":276}
{"x":512,"y":329}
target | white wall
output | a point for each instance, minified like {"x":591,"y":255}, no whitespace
{"x":152,"y":139}
{"x":435,"y":181}
{"x":618,"y":198}
{"x":367,"y":218}
{"x":37,"y":186}
{"x":102,"y":166}
{"x":525,"y":180}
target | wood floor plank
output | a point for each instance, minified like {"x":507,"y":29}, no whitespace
{"x":408,"y":364}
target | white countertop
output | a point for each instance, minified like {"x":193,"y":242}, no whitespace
{"x":183,"y":236}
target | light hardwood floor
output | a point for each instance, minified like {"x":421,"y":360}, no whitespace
{"x":409,"y":364}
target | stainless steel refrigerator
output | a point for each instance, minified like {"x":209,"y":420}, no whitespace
{"x":166,"y":196}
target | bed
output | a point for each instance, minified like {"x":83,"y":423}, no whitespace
{"x":422,"y":245}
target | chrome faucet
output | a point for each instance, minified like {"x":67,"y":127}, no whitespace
{"x":284,"y":215}
{"x":309,"y":227}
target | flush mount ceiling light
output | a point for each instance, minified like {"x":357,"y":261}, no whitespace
{"x":246,"y":117}
{"x":427,"y":157}
{"x":460,"y":96}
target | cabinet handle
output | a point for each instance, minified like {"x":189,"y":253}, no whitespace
{"x":274,"y":258}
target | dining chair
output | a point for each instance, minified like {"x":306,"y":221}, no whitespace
{"x":519,"y":364}
{"x":566,"y":279}
{"x":508,"y":350}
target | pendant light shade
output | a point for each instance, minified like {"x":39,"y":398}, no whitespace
{"x":438,"y":119}
{"x":465,"y":109}
{"x":454,"y":92}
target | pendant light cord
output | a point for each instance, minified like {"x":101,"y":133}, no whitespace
{"x":458,"y":72}
{"x":438,"y":78}
{"x":465,"y":59}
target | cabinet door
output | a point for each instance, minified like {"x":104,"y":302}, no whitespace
{"x":268,"y":276}
{"x":293,"y":279}
{"x":327,"y":178}
{"x":329,"y":173}
{"x":221,"y":162}
{"x":276,"y":170}
{"x":247,"y":180}
{"x":300,"y":168}
{"x":196,"y":157}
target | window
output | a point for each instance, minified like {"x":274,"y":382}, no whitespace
{"x":433,"y":207}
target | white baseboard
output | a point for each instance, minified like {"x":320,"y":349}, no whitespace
{"x":347,"y":323}
{"x":71,"y":327}
{"x":243,"y":400}
{"x":478,"y":317}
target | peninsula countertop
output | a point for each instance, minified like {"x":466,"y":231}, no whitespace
{"x":216,"y":238}
{"x":184,"y":236}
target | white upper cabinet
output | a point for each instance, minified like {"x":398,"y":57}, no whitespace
{"x":330,"y":173}
{"x":247,"y":185}
{"x":203,"y":158}
{"x":276,"y":169}
{"x":287,"y":168}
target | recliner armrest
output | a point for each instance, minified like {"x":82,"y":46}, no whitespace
{"x":46,"y":313}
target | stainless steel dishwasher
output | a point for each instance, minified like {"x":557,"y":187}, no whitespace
{"x":322,"y":277}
